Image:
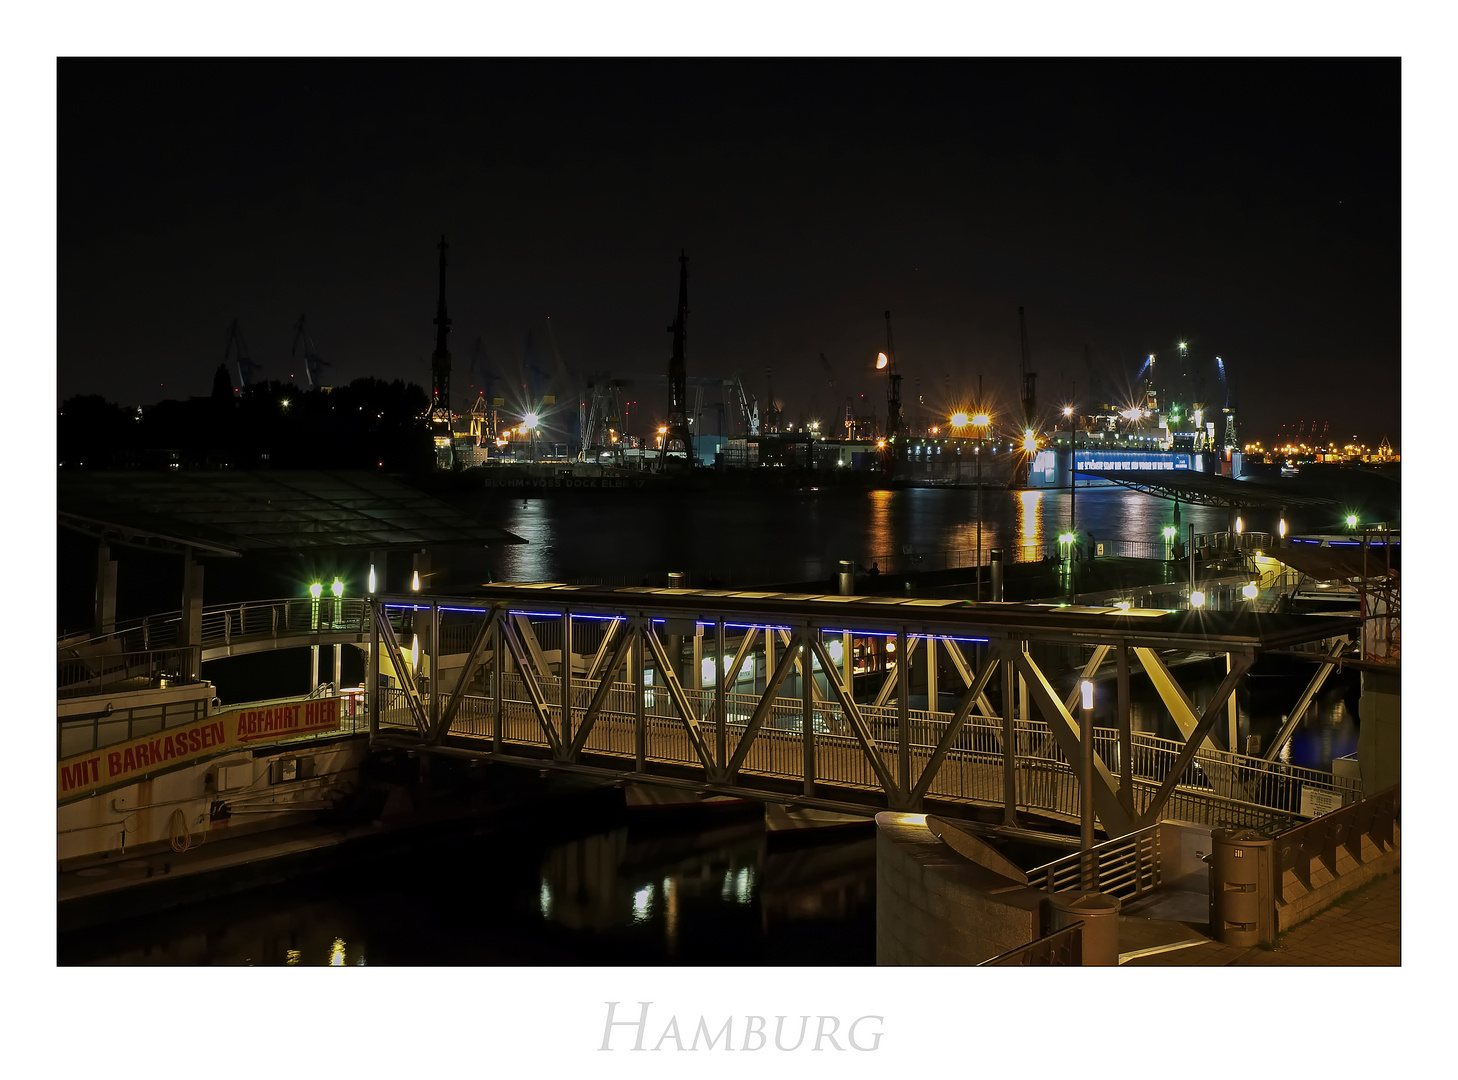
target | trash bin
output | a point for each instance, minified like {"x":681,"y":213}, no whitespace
{"x":1242,"y":889}
{"x":1099,"y":914}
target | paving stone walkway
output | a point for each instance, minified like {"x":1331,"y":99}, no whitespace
{"x":1363,"y":931}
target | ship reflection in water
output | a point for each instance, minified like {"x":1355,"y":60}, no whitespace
{"x":625,"y":896}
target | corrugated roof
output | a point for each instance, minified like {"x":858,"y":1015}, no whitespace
{"x":241,"y":512}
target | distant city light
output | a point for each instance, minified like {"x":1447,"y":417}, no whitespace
{"x":958,"y":420}
{"x":1068,"y":410}
{"x":530,"y":421}
{"x":1030,"y":441}
{"x":981,"y":420}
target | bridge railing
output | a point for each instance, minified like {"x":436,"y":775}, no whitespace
{"x":1224,"y":788}
{"x":222,"y":624}
{"x":93,"y":674}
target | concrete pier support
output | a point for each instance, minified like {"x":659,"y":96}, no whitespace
{"x":1379,"y":738}
{"x":192,"y":606}
{"x":105,"y":590}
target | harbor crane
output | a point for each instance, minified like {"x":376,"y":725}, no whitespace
{"x":895,"y":425}
{"x":1029,"y":378}
{"x":440,"y":360}
{"x":677,"y":429}
{"x":748,"y":406}
{"x":237,"y":351}
{"x":312,"y":360}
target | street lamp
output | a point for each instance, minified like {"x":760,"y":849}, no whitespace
{"x":1086,"y":816}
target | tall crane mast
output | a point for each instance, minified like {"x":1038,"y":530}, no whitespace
{"x":895,"y":425}
{"x":238,"y":351}
{"x":312,"y":360}
{"x":1029,"y":377}
{"x":440,"y":360}
{"x":678,"y":428}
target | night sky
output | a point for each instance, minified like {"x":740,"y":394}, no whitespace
{"x":1251,"y":207}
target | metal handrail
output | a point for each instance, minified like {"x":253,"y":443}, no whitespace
{"x":1125,"y":866}
{"x":1061,"y":948}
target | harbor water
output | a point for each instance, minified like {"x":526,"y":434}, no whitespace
{"x":604,"y":892}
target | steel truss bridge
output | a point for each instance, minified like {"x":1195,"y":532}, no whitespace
{"x":1204,"y":489}
{"x":619,"y":706}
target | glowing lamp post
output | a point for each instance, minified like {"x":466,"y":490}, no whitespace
{"x":316,"y":590}
{"x":1086,"y":816}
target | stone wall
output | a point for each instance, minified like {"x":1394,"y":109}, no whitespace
{"x":935,"y":907}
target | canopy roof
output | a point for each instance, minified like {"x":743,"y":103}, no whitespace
{"x":237,"y":513}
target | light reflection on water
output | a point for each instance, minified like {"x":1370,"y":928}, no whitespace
{"x":1030,"y":519}
{"x":695,"y":895}
{"x":790,"y":534}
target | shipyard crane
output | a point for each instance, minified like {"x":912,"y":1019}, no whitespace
{"x":895,"y":425}
{"x":238,"y":352}
{"x":1029,"y":377}
{"x":846,"y":420}
{"x":484,"y":419}
{"x":748,"y":406}
{"x":677,"y":426}
{"x":440,"y":359}
{"x":312,"y":360}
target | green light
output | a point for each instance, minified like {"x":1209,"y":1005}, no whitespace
{"x":1351,"y":521}
{"x":337,"y":588}
{"x":1066,"y":538}
{"x":315,"y":590}
{"x":1169,"y":532}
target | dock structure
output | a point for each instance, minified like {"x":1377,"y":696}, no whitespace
{"x":707,"y":689}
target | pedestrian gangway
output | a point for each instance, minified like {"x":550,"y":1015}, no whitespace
{"x":705,"y":688}
{"x":709,"y":689}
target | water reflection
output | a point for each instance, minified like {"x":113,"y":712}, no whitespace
{"x":1030,"y":519}
{"x":626,"y":536}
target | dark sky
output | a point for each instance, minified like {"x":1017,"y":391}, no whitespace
{"x":1251,"y":207}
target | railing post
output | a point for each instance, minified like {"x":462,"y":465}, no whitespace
{"x":498,"y":686}
{"x":1009,"y":739}
{"x":903,"y":721}
{"x":807,"y":708}
{"x":566,"y":685}
{"x":720,"y":730}
{"x":640,"y":720}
